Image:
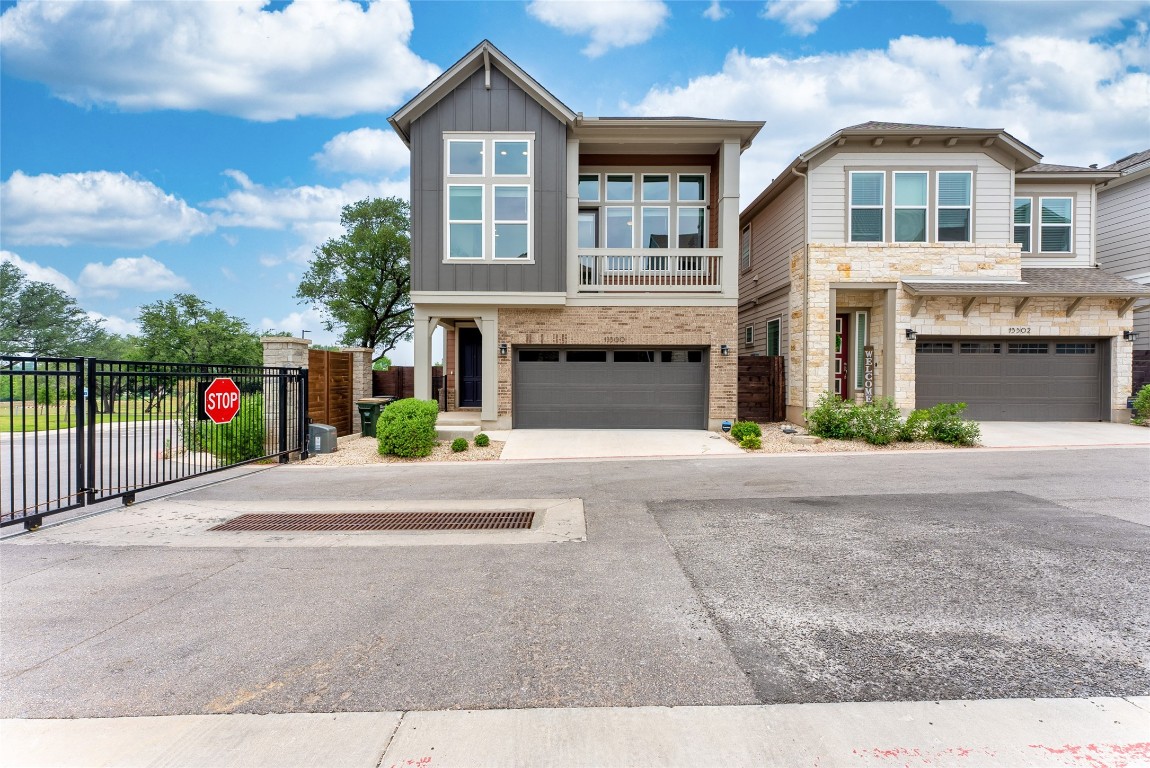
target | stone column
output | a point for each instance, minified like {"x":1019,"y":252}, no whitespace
{"x":360,"y":381}
{"x":280,"y":352}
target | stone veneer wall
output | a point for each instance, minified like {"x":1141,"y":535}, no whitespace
{"x":360,"y":381}
{"x":280,"y":352}
{"x":939,"y":316}
{"x":642,"y":326}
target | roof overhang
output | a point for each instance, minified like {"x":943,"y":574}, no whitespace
{"x":1092,"y":177}
{"x":1024,"y":155}
{"x":672,"y":130}
{"x":482,"y":56}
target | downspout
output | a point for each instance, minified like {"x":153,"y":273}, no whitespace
{"x":806,"y":277}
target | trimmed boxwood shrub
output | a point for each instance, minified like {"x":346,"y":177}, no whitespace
{"x":458,"y":445}
{"x":407,"y":428}
{"x":742,"y":429}
{"x":482,"y":440}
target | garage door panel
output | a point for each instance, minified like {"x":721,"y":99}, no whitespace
{"x":610,"y":395}
{"x":1035,"y":380}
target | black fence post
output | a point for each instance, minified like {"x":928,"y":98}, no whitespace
{"x":283,"y":416}
{"x":90,"y":450}
{"x":304,"y":417}
{"x":81,"y":437}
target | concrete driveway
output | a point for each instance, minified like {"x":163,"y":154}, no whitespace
{"x":613,"y":443}
{"x":1065,"y":434}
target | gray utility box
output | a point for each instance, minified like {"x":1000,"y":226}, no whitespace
{"x":321,"y":438}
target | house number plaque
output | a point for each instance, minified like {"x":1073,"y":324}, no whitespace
{"x":868,"y":373}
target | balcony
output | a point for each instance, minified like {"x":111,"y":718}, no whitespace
{"x":650,"y":270}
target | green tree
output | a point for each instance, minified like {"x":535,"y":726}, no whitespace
{"x":40,"y":319}
{"x":362,"y":279}
{"x":186,"y":329}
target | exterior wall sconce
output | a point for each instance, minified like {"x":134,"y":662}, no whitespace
{"x":1129,"y":335}
{"x":503,"y":349}
{"x":724,"y":350}
{"x":910,"y":334}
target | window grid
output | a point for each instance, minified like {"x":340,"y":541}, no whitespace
{"x":934,"y":348}
{"x":749,"y":335}
{"x":1075,"y":348}
{"x":678,"y":218}
{"x":979,"y":348}
{"x":1023,"y":211}
{"x":1027,"y":348}
{"x":504,"y":166}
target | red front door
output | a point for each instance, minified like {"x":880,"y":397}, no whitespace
{"x":842,"y":355}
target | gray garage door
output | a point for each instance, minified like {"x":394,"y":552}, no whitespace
{"x":610,"y":389}
{"x":1015,"y":380}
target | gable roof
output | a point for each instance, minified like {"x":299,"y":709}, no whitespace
{"x":482,"y":56}
{"x":1130,"y":162}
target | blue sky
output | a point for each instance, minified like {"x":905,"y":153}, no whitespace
{"x":155,"y":147}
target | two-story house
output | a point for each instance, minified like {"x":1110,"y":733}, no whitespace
{"x":585,"y":270}
{"x":1124,"y":243}
{"x":936,"y":264}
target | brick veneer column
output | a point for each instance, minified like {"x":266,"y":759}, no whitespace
{"x":280,"y":352}
{"x":360,"y":381}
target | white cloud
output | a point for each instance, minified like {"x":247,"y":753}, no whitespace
{"x":234,"y":57}
{"x":800,"y":17}
{"x":310,"y":320}
{"x":311,"y":211}
{"x":609,"y":23}
{"x":364,"y":151}
{"x":715,"y":11}
{"x":1077,"y":102}
{"x":142,"y":274}
{"x":41,"y":274}
{"x":1046,"y":17}
{"x":94,"y":208}
{"x":117,"y":325}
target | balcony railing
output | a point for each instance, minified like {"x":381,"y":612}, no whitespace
{"x":688,"y":270}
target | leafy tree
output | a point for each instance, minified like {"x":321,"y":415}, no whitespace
{"x":362,"y":279}
{"x":40,"y":319}
{"x":186,"y":329}
{"x":382,"y":363}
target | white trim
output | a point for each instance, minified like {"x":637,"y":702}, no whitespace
{"x":895,"y":207}
{"x":939,"y":207}
{"x":745,"y":263}
{"x":488,"y":181}
{"x":1069,"y":226}
{"x":670,"y":177}
{"x":777,"y":319}
{"x":422,"y":299}
{"x":607,"y":199}
{"x":859,"y":343}
{"x":598,"y":187}
{"x":749,"y":335}
{"x":1029,"y":224}
{"x":881,"y":207}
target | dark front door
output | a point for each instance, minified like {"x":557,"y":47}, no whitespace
{"x":470,"y":368}
{"x":842,"y":356}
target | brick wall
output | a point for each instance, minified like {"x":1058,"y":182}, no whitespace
{"x":617,"y":326}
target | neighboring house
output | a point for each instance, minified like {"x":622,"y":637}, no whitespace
{"x":961,"y":267}
{"x":585,"y":269}
{"x":1124,"y":242}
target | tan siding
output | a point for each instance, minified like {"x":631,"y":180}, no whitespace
{"x":775,"y":232}
{"x":1083,"y":223}
{"x":776,"y":305}
{"x":992,"y":190}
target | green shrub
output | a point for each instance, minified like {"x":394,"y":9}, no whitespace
{"x":482,"y":440}
{"x":1142,"y":405}
{"x":241,"y":439}
{"x":878,"y":423}
{"x":742,"y":429}
{"x":751,"y":442}
{"x":945,"y":424}
{"x":459,"y":445}
{"x":832,"y":417}
{"x":407,"y":428}
{"x":914,"y":430}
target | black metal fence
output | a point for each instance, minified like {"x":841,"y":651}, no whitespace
{"x":77,"y":431}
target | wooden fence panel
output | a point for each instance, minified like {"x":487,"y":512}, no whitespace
{"x":329,"y":389}
{"x":398,"y":381}
{"x":762,"y":388}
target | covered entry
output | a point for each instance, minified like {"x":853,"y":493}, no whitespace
{"x":610,"y":388}
{"x":1016,"y":379}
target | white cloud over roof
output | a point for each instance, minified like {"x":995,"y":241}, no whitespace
{"x":94,"y":208}
{"x":609,"y":23}
{"x":233,"y":57}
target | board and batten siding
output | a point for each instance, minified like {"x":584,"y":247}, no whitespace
{"x":1082,"y":225}
{"x":472,"y":107}
{"x":1123,"y":243}
{"x":993,"y":203}
{"x":775,"y":305}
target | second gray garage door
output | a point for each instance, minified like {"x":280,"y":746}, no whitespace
{"x":610,"y":389}
{"x":1009,"y":380}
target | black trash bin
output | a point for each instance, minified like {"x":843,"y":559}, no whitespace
{"x":369,"y":410}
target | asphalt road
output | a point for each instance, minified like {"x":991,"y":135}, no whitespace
{"x":919,"y":576}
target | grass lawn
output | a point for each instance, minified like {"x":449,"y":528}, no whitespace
{"x":21,"y":417}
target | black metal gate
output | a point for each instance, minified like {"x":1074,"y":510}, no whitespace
{"x":76,"y":431}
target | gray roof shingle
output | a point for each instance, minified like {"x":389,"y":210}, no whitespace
{"x":874,"y":125}
{"x":1041,"y":281}
{"x":1130,"y":161}
{"x":1052,"y":168}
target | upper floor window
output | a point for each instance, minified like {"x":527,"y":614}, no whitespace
{"x":1022,"y":218}
{"x":867,"y":195}
{"x":910,"y":200}
{"x":1057,"y":220}
{"x":652,"y":210}
{"x":745,"y":247}
{"x":954,"y":206}
{"x":488,"y":194}
{"x":774,"y":332}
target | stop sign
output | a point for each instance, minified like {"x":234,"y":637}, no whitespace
{"x":222,"y":400}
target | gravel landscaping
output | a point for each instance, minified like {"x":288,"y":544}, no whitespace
{"x":355,"y":450}
{"x":776,"y":441}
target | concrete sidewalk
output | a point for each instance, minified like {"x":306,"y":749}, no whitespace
{"x":1060,"y":434}
{"x":612,"y":443}
{"x":1101,"y":733}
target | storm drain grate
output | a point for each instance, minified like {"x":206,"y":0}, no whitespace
{"x":379,"y":521}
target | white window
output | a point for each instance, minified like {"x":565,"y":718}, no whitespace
{"x":861,"y":330}
{"x":1056,"y":223}
{"x":488,"y":193}
{"x":667,"y":210}
{"x":953,"y":212}
{"x":588,"y":187}
{"x":749,"y":335}
{"x":774,"y":336}
{"x":867,"y":198}
{"x":1023,"y":207}
{"x":910,"y":201}
{"x":745,"y":247}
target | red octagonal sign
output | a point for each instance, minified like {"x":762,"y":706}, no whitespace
{"x":222,"y":400}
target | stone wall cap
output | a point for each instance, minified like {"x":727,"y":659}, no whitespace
{"x":283,"y":340}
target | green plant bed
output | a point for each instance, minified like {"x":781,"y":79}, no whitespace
{"x":459,"y":445}
{"x":482,"y":440}
{"x":751,"y":442}
{"x":881,"y":423}
{"x":406,"y":428}
{"x":742,"y":429}
{"x":1141,"y":415}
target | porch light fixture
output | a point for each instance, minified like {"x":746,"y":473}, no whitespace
{"x":1129,"y":335}
{"x":910,"y":334}
{"x":503,"y":349}
{"x":724,"y":350}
